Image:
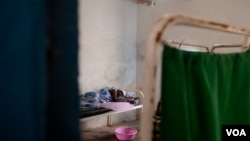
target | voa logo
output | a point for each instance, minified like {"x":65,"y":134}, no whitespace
{"x":236,"y":132}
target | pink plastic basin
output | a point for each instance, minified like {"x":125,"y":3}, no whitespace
{"x":125,"y":133}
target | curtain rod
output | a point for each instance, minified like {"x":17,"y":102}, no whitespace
{"x":178,"y":19}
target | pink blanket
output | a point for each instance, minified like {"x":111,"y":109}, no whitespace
{"x":117,"y":106}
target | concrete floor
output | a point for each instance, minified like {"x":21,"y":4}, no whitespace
{"x":107,"y":133}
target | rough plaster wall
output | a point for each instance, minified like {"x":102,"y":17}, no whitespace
{"x":107,"y":53}
{"x":228,"y":11}
{"x":107,"y":44}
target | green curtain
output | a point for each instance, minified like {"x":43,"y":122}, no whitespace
{"x":201,"y":92}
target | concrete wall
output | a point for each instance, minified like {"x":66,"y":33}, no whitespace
{"x":107,"y":44}
{"x":228,"y":11}
{"x":107,"y":55}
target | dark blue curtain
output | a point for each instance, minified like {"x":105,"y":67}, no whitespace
{"x":38,"y":70}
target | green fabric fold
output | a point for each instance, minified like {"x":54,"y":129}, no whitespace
{"x":201,"y":92}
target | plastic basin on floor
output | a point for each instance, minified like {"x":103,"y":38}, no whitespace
{"x":125,"y":133}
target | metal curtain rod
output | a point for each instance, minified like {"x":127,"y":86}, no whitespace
{"x":226,"y":46}
{"x":216,"y":46}
{"x":150,"y":67}
{"x":178,"y":19}
{"x":186,"y":43}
